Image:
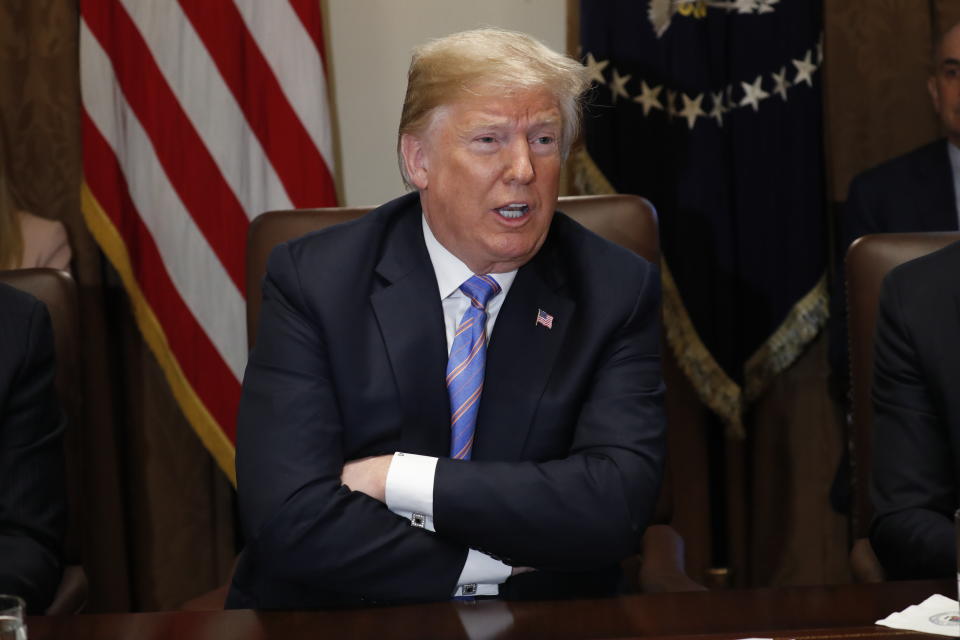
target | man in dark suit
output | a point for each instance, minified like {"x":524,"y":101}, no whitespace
{"x":916,"y":191}
{"x":917,"y":418}
{"x":385,"y":453}
{"x":913,"y":192}
{"x":32,"y":490}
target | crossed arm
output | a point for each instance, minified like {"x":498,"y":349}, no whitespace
{"x":581,"y":512}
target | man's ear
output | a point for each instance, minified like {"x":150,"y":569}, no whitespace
{"x":414,"y":159}
{"x":934,"y":92}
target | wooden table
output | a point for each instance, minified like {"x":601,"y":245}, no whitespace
{"x":814,"y":613}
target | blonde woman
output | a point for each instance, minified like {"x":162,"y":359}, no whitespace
{"x":27,"y":240}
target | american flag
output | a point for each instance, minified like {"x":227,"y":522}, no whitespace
{"x":544,"y":318}
{"x":197,"y":116}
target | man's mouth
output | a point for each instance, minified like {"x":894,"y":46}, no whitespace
{"x":513,"y":211}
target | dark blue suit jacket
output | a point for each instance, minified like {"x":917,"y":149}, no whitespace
{"x":32,"y":489}
{"x":350,"y":361}
{"x":912,"y":192}
{"x":916,"y":398}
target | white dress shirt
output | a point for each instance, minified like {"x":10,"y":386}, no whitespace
{"x":409,"y":488}
{"x":954,"y":154}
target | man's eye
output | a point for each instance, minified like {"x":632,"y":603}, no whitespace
{"x":486,"y":139}
{"x":544,"y":144}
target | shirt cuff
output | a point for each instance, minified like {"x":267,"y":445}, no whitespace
{"x":409,"y":488}
{"x":481,"y":575}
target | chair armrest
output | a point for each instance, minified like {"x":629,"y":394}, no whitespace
{"x":663,"y":565}
{"x":71,"y":595}
{"x":209,"y":601}
{"x":864,"y":563}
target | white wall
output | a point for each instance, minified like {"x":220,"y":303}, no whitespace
{"x":369,"y":44}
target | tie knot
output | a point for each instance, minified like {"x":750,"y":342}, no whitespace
{"x":480,"y":289}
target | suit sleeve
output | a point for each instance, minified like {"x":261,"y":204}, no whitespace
{"x":913,"y":488}
{"x":589,"y":509}
{"x":300,"y":521}
{"x":32,"y":490}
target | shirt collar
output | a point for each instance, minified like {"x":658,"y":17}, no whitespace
{"x":954,"y":156}
{"x":451,"y":272}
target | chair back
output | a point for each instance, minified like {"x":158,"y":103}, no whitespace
{"x":627,"y":220}
{"x":868,"y":261}
{"x":57,"y":290}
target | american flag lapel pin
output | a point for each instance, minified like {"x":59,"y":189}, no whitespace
{"x":544,"y":319}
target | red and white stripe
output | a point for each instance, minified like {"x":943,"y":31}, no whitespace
{"x":197,"y":116}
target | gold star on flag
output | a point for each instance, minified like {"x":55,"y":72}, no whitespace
{"x":805,"y":69}
{"x":595,"y":69}
{"x":618,"y":85}
{"x":766,"y":6}
{"x":780,"y":83}
{"x":691,"y":109}
{"x":717,"y":110}
{"x":753,"y":94}
{"x":649,"y":97}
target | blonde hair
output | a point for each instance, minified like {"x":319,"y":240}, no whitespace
{"x":11,"y":236}
{"x":441,"y":70}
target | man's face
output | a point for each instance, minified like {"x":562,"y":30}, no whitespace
{"x":944,"y":85}
{"x":488,"y":171}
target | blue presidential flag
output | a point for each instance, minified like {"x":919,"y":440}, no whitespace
{"x":712,"y":111}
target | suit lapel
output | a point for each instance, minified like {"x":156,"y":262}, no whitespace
{"x":520,"y":358}
{"x":410,"y":316}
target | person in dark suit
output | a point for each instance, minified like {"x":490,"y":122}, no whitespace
{"x":385,"y":453}
{"x":913,"y":192}
{"x":32,"y":489}
{"x":916,"y":191}
{"x":916,"y":446}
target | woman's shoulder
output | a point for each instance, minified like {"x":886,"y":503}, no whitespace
{"x":45,"y":242}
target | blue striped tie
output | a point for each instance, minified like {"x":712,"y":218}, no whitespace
{"x":465,"y":366}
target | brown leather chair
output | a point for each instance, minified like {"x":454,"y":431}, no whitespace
{"x":628,"y":220}
{"x":57,"y":290}
{"x":868,"y":260}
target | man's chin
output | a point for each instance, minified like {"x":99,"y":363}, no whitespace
{"x":507,"y":259}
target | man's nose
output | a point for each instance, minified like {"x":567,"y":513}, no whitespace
{"x":520,"y":164}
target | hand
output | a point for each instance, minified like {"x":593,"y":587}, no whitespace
{"x":518,"y":570}
{"x":368,"y":475}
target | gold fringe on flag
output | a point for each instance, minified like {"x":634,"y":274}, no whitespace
{"x":802,"y":324}
{"x":193,"y":408}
